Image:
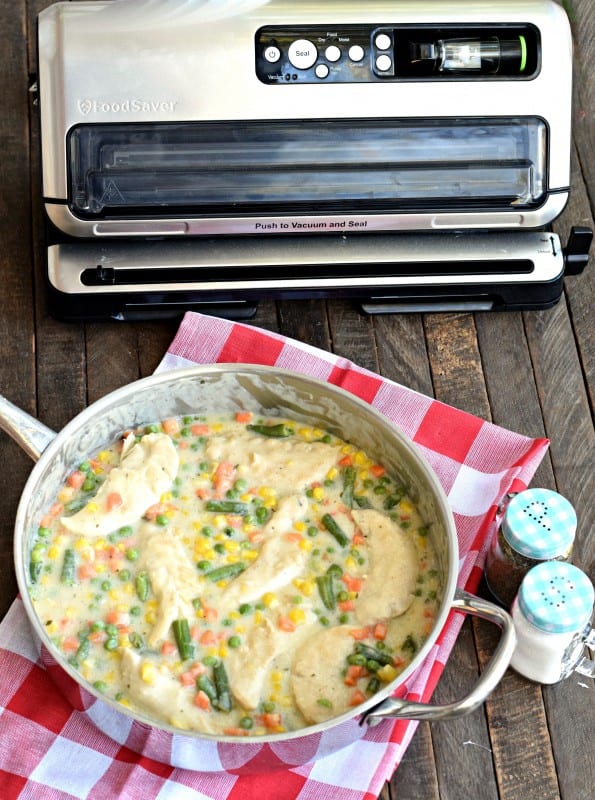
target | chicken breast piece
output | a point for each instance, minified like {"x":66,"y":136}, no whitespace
{"x":393,"y":568}
{"x":287,"y":464}
{"x":161,"y":693}
{"x":318,"y":686}
{"x":173,"y":578}
{"x":248,"y":664}
{"x":279,"y":561}
{"x":147,"y":469}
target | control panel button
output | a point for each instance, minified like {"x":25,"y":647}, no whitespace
{"x":384,"y":63}
{"x":272,"y":54}
{"x":383,"y":41}
{"x":302,"y":54}
{"x":332,"y":53}
{"x":322,"y":71}
{"x":356,"y":52}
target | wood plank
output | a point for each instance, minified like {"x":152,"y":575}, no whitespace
{"x":416,"y":776}
{"x":567,"y":418}
{"x":402,"y":352}
{"x":353,"y":334}
{"x":305,"y":320}
{"x":17,"y":346}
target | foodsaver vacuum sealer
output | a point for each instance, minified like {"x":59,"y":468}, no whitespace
{"x":407,"y":155}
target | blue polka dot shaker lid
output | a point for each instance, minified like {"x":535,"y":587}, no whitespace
{"x":556,"y":597}
{"x":539,"y":524}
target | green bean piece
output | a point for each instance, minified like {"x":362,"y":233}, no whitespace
{"x":184,"y":643}
{"x":206,"y":685}
{"x":280,"y":431}
{"x":362,"y":501}
{"x":227,"y":507}
{"x":348,"y":485}
{"x":68,"y":567}
{"x":371,"y":654}
{"x":226,"y":571}
{"x":83,"y":649}
{"x":141,"y":584}
{"x":335,"y":530}
{"x":223,"y":701}
{"x":326,"y":590}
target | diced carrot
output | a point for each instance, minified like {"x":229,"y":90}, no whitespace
{"x":354,"y":672}
{"x":46,"y":521}
{"x":202,"y":493}
{"x":168,"y":649}
{"x":243,"y":416}
{"x":223,"y":478}
{"x":380,"y":631}
{"x":154,"y":511}
{"x":113,"y":501}
{"x":199,"y":430}
{"x":428,"y":613}
{"x":70,"y":643}
{"x":346,"y":605}
{"x":293,"y":537}
{"x":377,"y":470}
{"x":97,"y":637}
{"x":271,"y":720}
{"x":428,"y":628}
{"x":208,"y":638}
{"x":356,"y":698}
{"x":235,"y":732}
{"x":210,"y":614}
{"x":201,"y":700}
{"x":360,"y":633}
{"x":76,"y":479}
{"x":352,"y":584}
{"x":286,"y":624}
{"x":118,"y":618}
{"x":346,"y":461}
{"x":255,"y":536}
{"x":85,"y":571}
{"x":171,"y":426}
{"x":358,"y":539}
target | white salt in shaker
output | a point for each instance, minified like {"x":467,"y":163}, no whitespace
{"x":552,"y":618}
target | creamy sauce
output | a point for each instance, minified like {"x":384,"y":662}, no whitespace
{"x":237,"y":576}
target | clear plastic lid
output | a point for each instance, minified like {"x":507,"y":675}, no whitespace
{"x":243,"y":167}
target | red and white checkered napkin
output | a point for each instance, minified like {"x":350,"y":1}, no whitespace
{"x":49,"y":750}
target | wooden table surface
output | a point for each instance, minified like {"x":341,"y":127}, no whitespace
{"x":533,"y":372}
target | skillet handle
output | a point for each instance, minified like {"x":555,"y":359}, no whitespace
{"x":394,"y":708}
{"x":30,"y":434}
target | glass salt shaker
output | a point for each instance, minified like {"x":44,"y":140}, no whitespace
{"x":537,"y":525}
{"x":552,"y":619}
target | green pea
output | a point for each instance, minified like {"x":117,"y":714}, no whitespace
{"x":162,"y":519}
{"x":132,"y":554}
{"x":246,"y":723}
{"x":234,"y":642}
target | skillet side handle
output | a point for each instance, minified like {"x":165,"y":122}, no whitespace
{"x":394,"y":708}
{"x":30,"y":434}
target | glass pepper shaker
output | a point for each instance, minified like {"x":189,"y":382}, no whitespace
{"x":537,"y":525}
{"x":552,"y":619}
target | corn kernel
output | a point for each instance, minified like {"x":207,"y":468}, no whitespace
{"x":220,"y":520}
{"x":300,"y":526}
{"x":360,"y":459}
{"x":80,"y":544}
{"x":318,"y":493}
{"x":240,"y":629}
{"x":165,"y":497}
{"x":104,"y":456}
{"x":364,"y":475}
{"x":387,"y":673}
{"x":269,"y":599}
{"x":147,"y":672}
{"x":318,"y":433}
{"x":285,"y":701}
{"x":53,"y":552}
{"x":276,"y":676}
{"x":297,"y":615}
{"x":332,"y":474}
{"x":405,"y":507}
{"x":258,"y":617}
{"x":52,"y":627}
{"x":125,"y":702}
{"x":250,"y":555}
{"x":100,"y":567}
{"x":213,"y":651}
{"x":232,"y":546}
{"x":350,"y":563}
{"x":306,"y":544}
{"x":223,"y":650}
{"x":92,"y":507}
{"x":308,"y":587}
{"x":124,"y":641}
